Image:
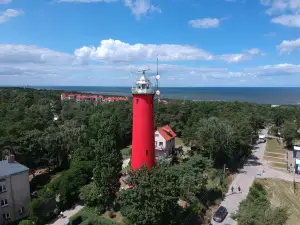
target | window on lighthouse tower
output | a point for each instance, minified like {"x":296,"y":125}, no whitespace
{"x":146,"y":152}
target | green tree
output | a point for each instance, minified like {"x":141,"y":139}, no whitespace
{"x":71,"y":182}
{"x":289,"y":132}
{"x":153,"y":200}
{"x":214,"y":138}
{"x":108,"y":167}
{"x":147,"y":203}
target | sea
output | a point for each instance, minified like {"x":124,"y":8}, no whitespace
{"x":261,"y":95}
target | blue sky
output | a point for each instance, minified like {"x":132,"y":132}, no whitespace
{"x":104,"y":42}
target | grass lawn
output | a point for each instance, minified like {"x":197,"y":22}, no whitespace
{"x":281,"y":193}
{"x":277,"y":150}
{"x":126,"y":152}
{"x":275,"y":160}
{"x":280,"y":165}
{"x":88,"y":215}
{"x":273,"y":154}
{"x":274,"y":144}
{"x":178,"y":141}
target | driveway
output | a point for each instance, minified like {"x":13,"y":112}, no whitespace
{"x":244,"y":179}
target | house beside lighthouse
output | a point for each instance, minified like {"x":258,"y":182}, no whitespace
{"x":164,"y":141}
{"x":143,"y":143}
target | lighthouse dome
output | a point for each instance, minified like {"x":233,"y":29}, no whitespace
{"x":143,"y":85}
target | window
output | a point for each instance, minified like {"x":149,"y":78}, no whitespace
{"x":137,"y":101}
{"x":2,"y":188}
{"x":161,"y":143}
{"x":156,"y":143}
{"x":6,"y":216}
{"x":146,"y":152}
{"x":4,"y":203}
{"x":156,"y":135}
{"x":21,"y":210}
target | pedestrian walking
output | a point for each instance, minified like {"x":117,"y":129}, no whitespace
{"x":239,"y":189}
{"x":232,"y":189}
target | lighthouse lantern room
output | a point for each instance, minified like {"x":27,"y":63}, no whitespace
{"x":143,"y":149}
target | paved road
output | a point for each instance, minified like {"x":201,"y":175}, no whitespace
{"x":244,"y":179}
{"x":67,"y":215}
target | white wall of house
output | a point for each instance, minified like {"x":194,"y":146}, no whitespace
{"x":17,"y":194}
{"x":163,"y":147}
{"x":160,"y":142}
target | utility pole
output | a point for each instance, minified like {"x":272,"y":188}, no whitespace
{"x":294,"y":184}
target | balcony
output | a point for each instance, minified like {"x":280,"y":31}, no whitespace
{"x":143,"y":91}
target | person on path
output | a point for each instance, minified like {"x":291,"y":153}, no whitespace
{"x":239,"y":189}
{"x":232,"y":189}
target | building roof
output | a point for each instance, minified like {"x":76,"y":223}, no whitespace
{"x":296,"y":148}
{"x":7,"y":169}
{"x":166,"y":132}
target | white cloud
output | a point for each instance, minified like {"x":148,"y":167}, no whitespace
{"x":281,"y":6}
{"x":138,"y":7}
{"x":205,"y":23}
{"x":5,"y":1}
{"x":233,"y":58}
{"x":289,"y":46}
{"x":24,"y":60}
{"x":118,"y":51}
{"x":275,"y":70}
{"x":8,"y":14}
{"x":253,"y":51}
{"x":31,"y":54}
{"x":236,"y":58}
{"x":141,"y":7}
{"x":287,"y":20}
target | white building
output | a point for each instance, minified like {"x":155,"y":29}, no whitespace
{"x":14,"y":191}
{"x":164,"y":141}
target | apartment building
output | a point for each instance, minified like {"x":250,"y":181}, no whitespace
{"x":14,"y":190}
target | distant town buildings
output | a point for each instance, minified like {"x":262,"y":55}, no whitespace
{"x":14,"y":190}
{"x":115,"y":99}
{"x":163,"y":102}
{"x":95,"y":99}
{"x":164,"y":141}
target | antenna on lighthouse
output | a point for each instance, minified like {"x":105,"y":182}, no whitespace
{"x":143,"y":71}
{"x":157,"y":77}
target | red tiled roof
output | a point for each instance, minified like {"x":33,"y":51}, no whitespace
{"x":80,"y":96}
{"x":166,"y":132}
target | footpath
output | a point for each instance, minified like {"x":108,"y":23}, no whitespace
{"x":67,"y":215}
{"x":244,"y":179}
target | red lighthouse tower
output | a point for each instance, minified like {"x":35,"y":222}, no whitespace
{"x":143,"y":149}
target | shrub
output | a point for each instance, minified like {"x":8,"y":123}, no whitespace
{"x":26,"y":222}
{"x":91,"y":218}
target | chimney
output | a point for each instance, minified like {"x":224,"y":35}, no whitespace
{"x":11,"y":159}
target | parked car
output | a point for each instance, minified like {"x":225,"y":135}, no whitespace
{"x":220,"y":214}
